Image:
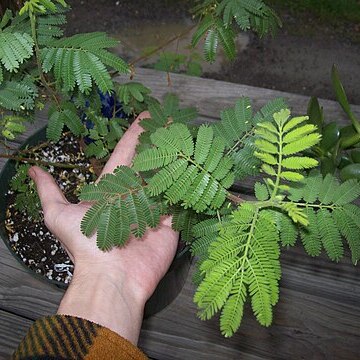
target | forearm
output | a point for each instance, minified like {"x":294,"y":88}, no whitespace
{"x":97,"y":297}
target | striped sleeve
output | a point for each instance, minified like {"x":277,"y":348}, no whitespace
{"x":63,"y":337}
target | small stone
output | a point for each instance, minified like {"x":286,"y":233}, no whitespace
{"x":15,"y":238}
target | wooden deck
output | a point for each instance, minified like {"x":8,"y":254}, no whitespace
{"x":318,"y":316}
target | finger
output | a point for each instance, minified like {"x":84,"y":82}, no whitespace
{"x":125,"y":149}
{"x":49,"y":193}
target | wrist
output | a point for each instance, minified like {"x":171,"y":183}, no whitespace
{"x":106,"y":299}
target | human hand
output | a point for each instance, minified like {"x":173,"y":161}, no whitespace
{"x":131,"y":272}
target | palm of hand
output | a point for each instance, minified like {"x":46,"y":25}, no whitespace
{"x":141,"y":261}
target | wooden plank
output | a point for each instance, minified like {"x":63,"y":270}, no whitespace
{"x":21,"y":292}
{"x":41,"y":120}
{"x":12,"y":329}
{"x":211,"y":96}
{"x":307,"y":324}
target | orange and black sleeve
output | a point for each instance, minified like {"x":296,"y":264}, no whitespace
{"x":62,"y":337}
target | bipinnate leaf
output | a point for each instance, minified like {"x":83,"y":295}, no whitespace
{"x":191,"y":172}
{"x":330,"y":214}
{"x":92,"y":217}
{"x":276,"y":144}
{"x":59,"y":117}
{"x":243,"y":261}
{"x":107,"y":228}
{"x":15,"y":49}
{"x":233,"y":14}
{"x":81,"y":60}
{"x":131,"y":208}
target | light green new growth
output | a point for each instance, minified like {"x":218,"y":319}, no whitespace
{"x":243,"y":261}
{"x":236,"y":128}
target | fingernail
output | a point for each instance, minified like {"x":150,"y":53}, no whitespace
{"x":32,"y":173}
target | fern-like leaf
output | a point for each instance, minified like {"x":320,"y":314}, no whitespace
{"x":92,"y":218}
{"x":15,"y":48}
{"x":123,"y":196}
{"x":277,"y":141}
{"x":18,"y":95}
{"x":82,"y":59}
{"x":328,"y":208}
{"x":186,"y":176}
{"x":347,"y":219}
{"x":330,"y":235}
{"x":211,"y":45}
{"x":243,"y":260}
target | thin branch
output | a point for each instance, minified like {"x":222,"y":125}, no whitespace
{"x":234,"y":198}
{"x":162,"y":46}
{"x":45,"y":163}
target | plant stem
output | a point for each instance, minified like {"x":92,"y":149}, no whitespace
{"x":41,"y":162}
{"x":277,"y":182}
{"x":37,"y":56}
{"x":240,"y":141}
{"x":317,"y":206}
{"x":233,"y":198}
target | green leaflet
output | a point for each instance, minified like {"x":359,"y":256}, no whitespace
{"x":261,"y":191}
{"x":81,"y":60}
{"x":276,"y":143}
{"x":203,"y":144}
{"x":219,"y":21}
{"x":242,"y":262}
{"x":58,"y":118}
{"x":92,"y":218}
{"x":15,"y":48}
{"x":121,"y":207}
{"x":330,"y":235}
{"x":349,"y":228}
{"x":288,"y":230}
{"x":107,"y":228}
{"x":18,"y":95}
{"x":327,"y":206}
{"x":210,"y":45}
{"x":184,"y":220}
{"x":310,"y":236}
{"x":192,"y":172}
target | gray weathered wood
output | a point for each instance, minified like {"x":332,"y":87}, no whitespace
{"x":211,"y":96}
{"x":318,"y":316}
{"x":12,"y":329}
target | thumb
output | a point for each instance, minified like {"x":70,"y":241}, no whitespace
{"x":49,"y":192}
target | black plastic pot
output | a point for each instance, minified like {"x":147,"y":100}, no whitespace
{"x":168,"y":288}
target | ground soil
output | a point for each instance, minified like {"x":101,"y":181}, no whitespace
{"x":297,"y":60}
